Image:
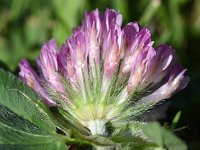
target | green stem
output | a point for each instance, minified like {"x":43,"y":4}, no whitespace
{"x":97,"y":127}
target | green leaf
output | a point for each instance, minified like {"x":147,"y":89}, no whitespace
{"x":163,"y":137}
{"x":23,"y":124}
{"x":18,"y":98}
{"x":154,"y":133}
{"x":16,"y":132}
{"x":172,"y":142}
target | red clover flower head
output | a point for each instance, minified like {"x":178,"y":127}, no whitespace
{"x":105,"y":72}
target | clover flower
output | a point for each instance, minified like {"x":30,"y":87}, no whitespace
{"x":105,"y":73}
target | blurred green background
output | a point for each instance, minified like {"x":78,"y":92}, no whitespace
{"x":26,"y":24}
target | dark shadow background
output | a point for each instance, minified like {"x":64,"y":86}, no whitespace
{"x":26,"y":24}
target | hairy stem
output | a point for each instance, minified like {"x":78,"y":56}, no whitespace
{"x":97,"y":127}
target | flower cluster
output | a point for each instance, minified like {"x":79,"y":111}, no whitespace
{"x":105,"y":72}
